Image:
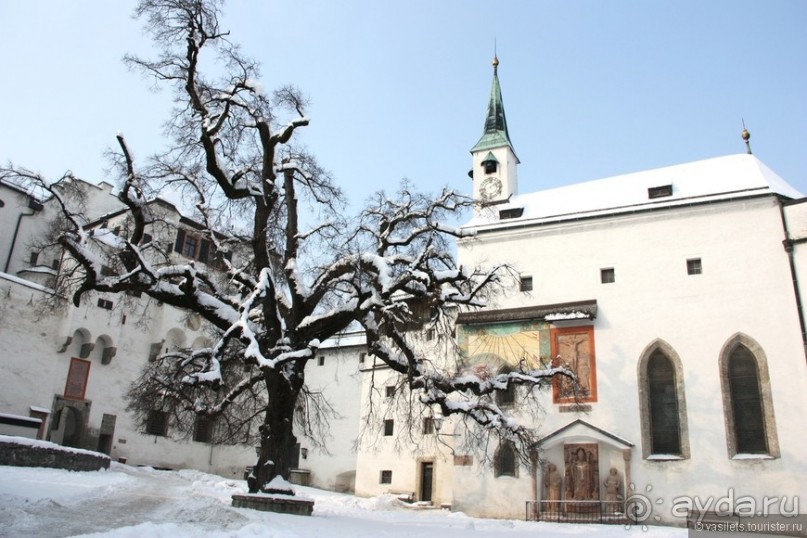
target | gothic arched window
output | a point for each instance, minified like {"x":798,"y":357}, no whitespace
{"x":662,"y":403}
{"x":665,"y":432}
{"x":505,"y":463}
{"x":747,"y":406}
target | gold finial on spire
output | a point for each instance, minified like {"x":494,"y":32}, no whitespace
{"x":495,"y":57}
{"x":746,"y":137}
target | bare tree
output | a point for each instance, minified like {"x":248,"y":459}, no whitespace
{"x":300,"y":272}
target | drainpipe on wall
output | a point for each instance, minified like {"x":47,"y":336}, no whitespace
{"x":32,"y":205}
{"x":789,"y":243}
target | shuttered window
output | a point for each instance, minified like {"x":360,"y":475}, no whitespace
{"x":204,"y":250}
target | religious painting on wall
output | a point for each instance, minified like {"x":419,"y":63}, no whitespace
{"x":573,"y":347}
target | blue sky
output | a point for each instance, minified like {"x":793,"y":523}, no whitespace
{"x":399,"y":89}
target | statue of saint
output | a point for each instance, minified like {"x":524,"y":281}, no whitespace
{"x":613,"y":491}
{"x":581,"y":476}
{"x":553,"y":482}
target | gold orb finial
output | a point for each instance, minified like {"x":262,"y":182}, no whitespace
{"x":495,"y":62}
{"x":746,"y":138}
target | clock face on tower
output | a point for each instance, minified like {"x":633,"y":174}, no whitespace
{"x":491,"y":188}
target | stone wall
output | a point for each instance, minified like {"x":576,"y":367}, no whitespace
{"x":38,"y":456}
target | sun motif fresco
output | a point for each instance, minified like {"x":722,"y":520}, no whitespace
{"x":506,"y":343}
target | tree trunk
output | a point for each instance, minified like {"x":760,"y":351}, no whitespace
{"x":278,"y":443}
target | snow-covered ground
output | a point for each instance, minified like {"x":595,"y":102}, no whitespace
{"x":136,"y":502}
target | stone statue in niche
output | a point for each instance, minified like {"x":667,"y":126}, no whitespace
{"x":553,"y":482}
{"x":582,"y":476}
{"x":613,"y":491}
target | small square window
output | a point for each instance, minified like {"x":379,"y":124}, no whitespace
{"x":390,"y":392}
{"x":321,"y":361}
{"x":525,"y":283}
{"x":203,"y":429}
{"x":386,"y":477}
{"x":389,"y":427}
{"x":607,"y":275}
{"x":694,"y":266}
{"x":428,"y":426}
{"x":157,"y":423}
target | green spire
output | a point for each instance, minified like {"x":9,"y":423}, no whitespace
{"x":496,"y":134}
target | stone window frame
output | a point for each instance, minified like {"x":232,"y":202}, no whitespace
{"x":501,"y":451}
{"x":644,"y":401}
{"x":385,"y":476}
{"x":766,"y":397}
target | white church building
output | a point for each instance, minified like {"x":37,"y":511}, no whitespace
{"x":674,"y":294}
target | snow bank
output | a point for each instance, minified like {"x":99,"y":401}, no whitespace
{"x":131,"y":502}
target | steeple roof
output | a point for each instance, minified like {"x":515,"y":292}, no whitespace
{"x":495,"y":134}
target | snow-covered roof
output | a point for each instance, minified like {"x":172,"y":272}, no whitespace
{"x":34,"y":191}
{"x":710,"y":180}
{"x":26,"y":283}
{"x":346,"y":339}
{"x":580,"y":430}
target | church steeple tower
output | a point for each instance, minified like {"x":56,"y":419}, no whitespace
{"x":494,"y":160}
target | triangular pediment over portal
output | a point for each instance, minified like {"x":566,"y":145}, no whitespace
{"x":580,"y":431}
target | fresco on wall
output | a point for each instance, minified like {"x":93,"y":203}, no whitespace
{"x":504,"y":344}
